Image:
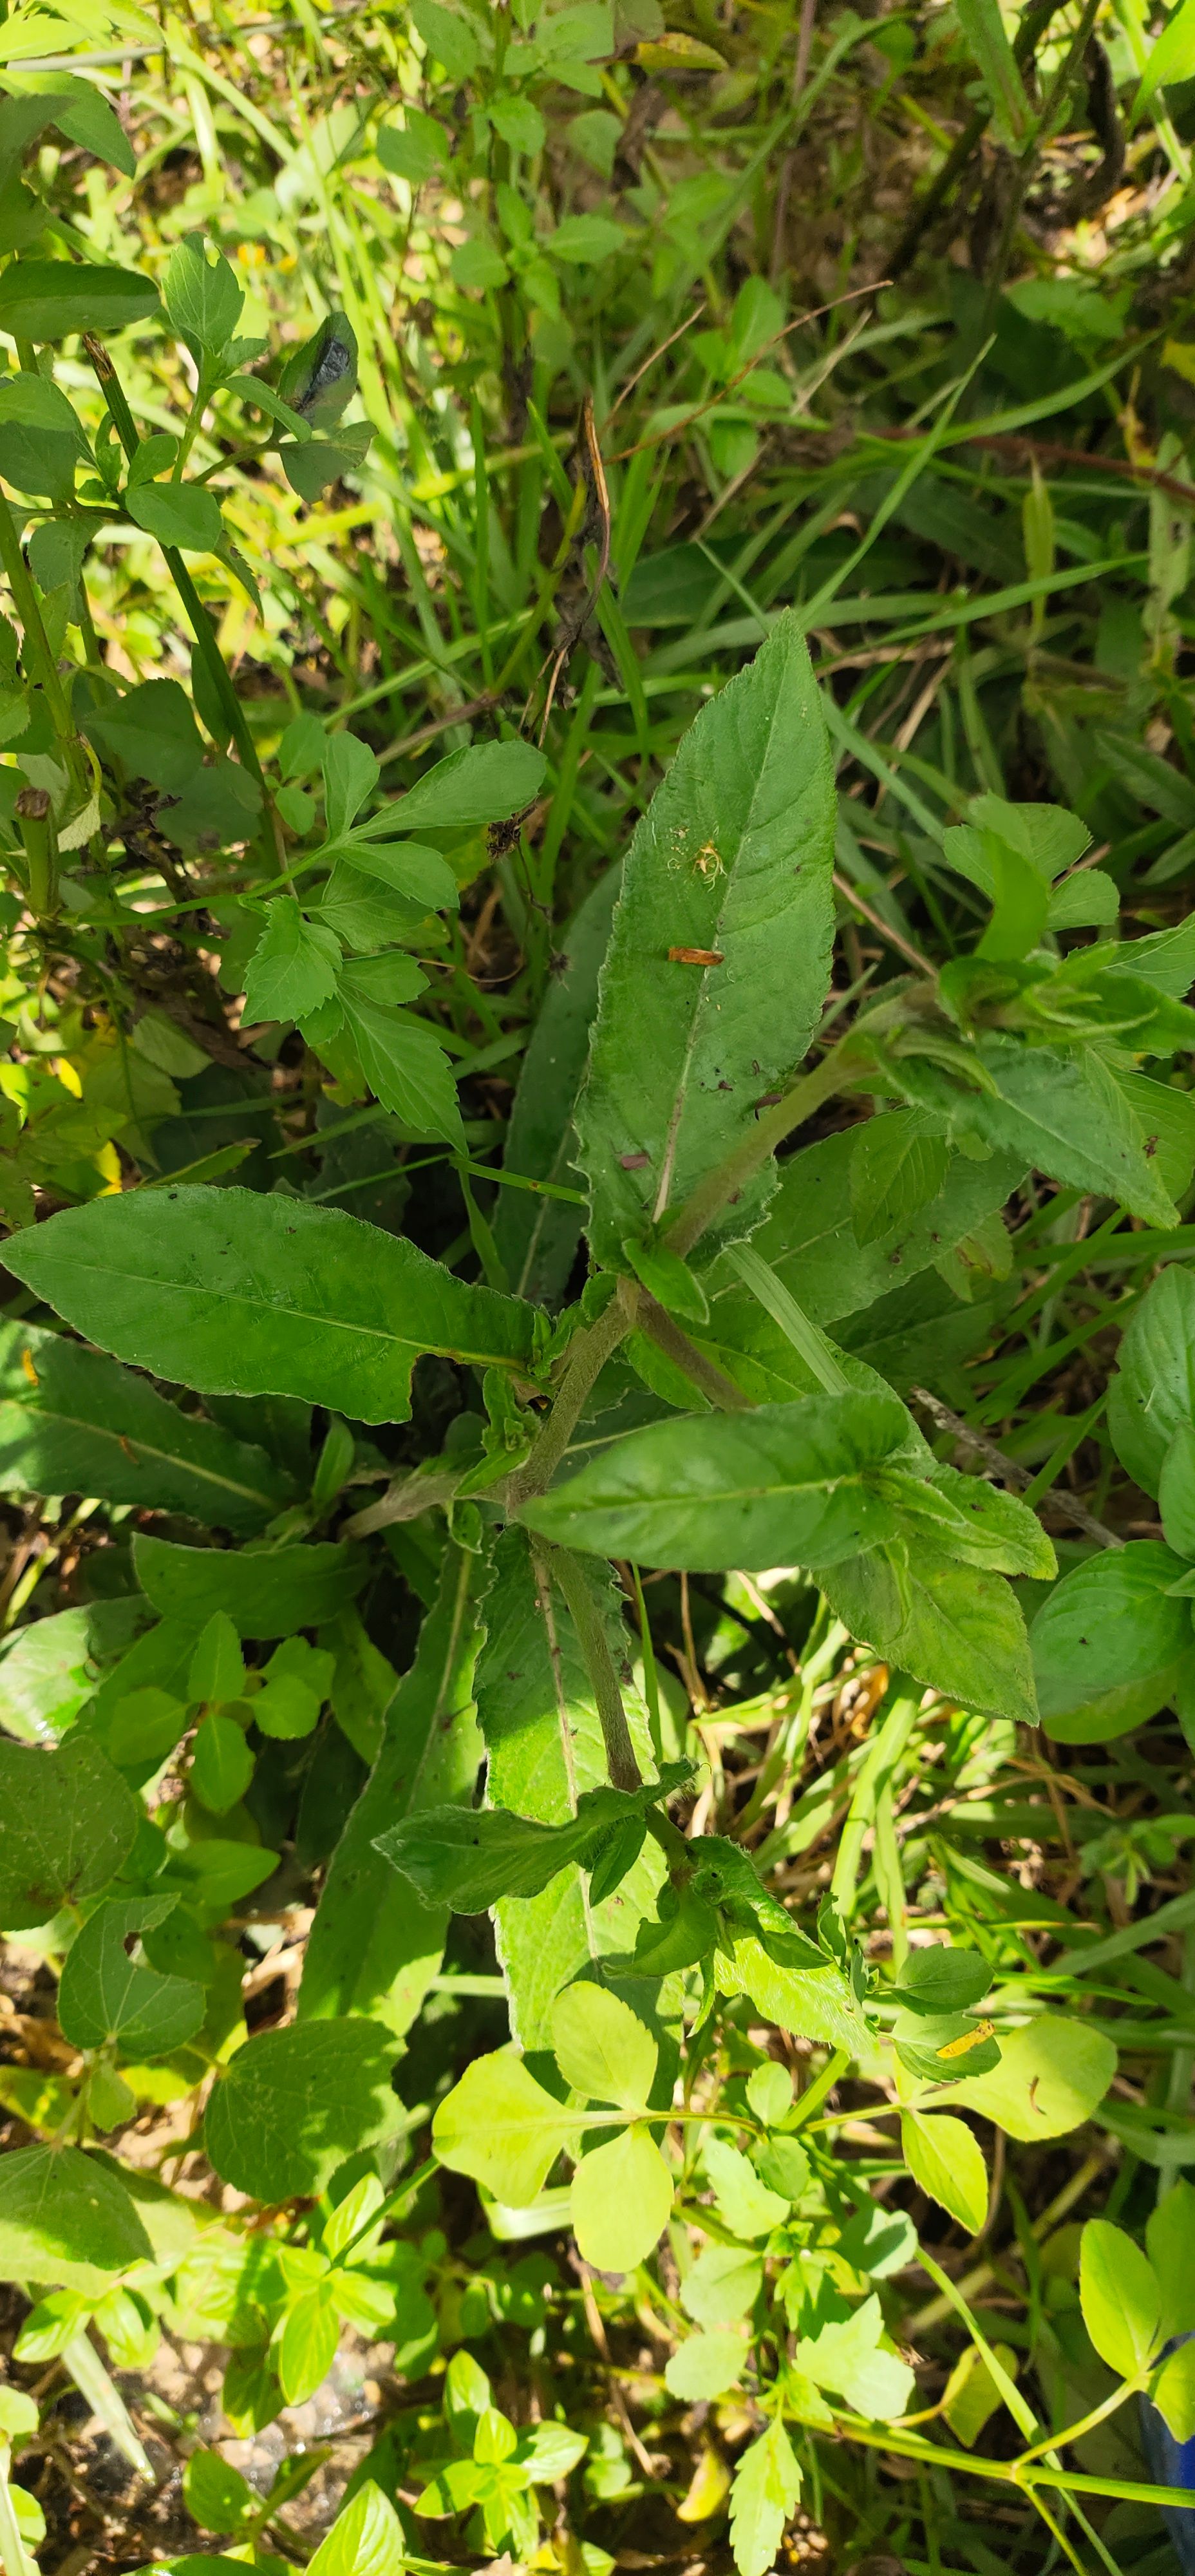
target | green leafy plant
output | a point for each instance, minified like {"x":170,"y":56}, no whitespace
{"x":559,"y":1674}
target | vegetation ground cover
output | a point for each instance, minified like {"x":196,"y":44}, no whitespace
{"x":597,"y":1401}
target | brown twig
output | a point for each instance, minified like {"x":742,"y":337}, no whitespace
{"x":1048,"y":451}
{"x":895,"y":938}
{"x":1007,"y":1469}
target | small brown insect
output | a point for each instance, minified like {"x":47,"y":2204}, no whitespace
{"x":708,"y":861}
{"x":695,"y":957}
{"x":127,"y":1447}
{"x":29,"y":1369}
{"x":970,"y":2039}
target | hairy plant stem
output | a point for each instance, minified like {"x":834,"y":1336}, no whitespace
{"x":36,"y":826}
{"x":197,"y":616}
{"x":844,"y":1065}
{"x":567,"y":1571}
{"x":37,"y":644}
{"x":588,"y":1355}
{"x":684,"y":1354}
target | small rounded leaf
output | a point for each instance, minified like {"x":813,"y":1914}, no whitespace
{"x":1119,"y":2296}
{"x":602,"y":2048}
{"x":621,"y":2199}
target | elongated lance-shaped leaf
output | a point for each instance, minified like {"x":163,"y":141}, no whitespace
{"x":377,"y":1938}
{"x":732,"y":865}
{"x":536,"y":1235}
{"x":787,"y":1484}
{"x":72,"y":1421}
{"x":538,"y":1715}
{"x":470,"y":1860}
{"x":235,"y":1293}
{"x":808,"y":1237}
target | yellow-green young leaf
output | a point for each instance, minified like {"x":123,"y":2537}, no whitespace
{"x":947,"y":2161}
{"x":621,"y":2199}
{"x":854,"y":2361}
{"x":1174,"y":2392}
{"x":706,"y":2365}
{"x":1052,"y":2074}
{"x":972,"y":2397}
{"x":366,"y":2539}
{"x":1119,"y":2296}
{"x":235,"y":1292}
{"x":217,"y":2497}
{"x":307,"y":2345}
{"x":766,"y":2490}
{"x":731,"y":864}
{"x":1172,"y":59}
{"x":602,"y":2048}
{"x":722,"y":2285}
{"x":1170,"y":2240}
{"x":502,"y":2128}
{"x":745,"y":2203}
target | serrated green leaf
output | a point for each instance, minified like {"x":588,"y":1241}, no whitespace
{"x":72,"y":1421}
{"x":376,"y":1941}
{"x":543,"y":1738}
{"x":766,"y":2490}
{"x":470,"y":1859}
{"x":896,"y":1169}
{"x":202,"y":296}
{"x":786,"y":1484}
{"x":67,"y":1824}
{"x":293,"y":967}
{"x":268,"y":1594}
{"x":67,"y":2218}
{"x":240,"y":1294}
{"x":106,"y":1995}
{"x":955,"y":1627}
{"x":47,"y":299}
{"x":294,"y":2103}
{"x":733,"y":859}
